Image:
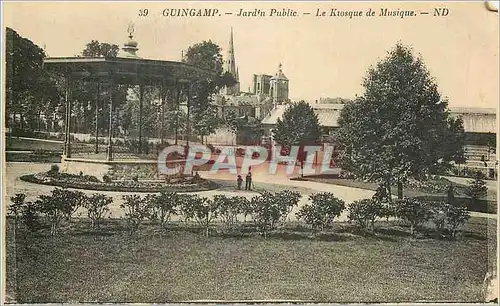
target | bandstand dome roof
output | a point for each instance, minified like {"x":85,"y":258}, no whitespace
{"x":127,"y":68}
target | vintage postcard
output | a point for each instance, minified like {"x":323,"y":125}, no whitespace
{"x":250,"y":152}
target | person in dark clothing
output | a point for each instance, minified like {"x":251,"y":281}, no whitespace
{"x":248,"y":181}
{"x":483,"y":159}
{"x":451,"y":194}
{"x":239,"y":180}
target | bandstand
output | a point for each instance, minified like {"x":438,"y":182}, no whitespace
{"x":173,"y":81}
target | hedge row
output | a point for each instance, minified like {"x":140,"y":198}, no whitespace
{"x":267,"y":211}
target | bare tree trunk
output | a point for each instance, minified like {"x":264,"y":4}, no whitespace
{"x":389,"y":191}
{"x":400,"y":190}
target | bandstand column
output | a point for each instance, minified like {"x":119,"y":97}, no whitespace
{"x":97,"y":118}
{"x":67,"y":136}
{"x":141,"y":99}
{"x":177,"y":97}
{"x":162,"y":99}
{"x":188,"y":127}
{"x":110,"y":129}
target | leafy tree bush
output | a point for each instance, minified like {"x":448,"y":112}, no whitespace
{"x":57,"y":206}
{"x":229,"y":208}
{"x":400,"y":127}
{"x":387,"y":210}
{"x":202,"y":210}
{"x":267,"y":211}
{"x":97,"y":207}
{"x":477,"y":188}
{"x":135,"y":211}
{"x":24,"y":213}
{"x":413,"y":211}
{"x":286,"y":201}
{"x":76,"y":199}
{"x":17,"y":205}
{"x":299,"y":126}
{"x":456,"y":217}
{"x":320,"y":214}
{"x":439,"y":211}
{"x":162,"y":207}
{"x":364,"y":213}
{"x":30,"y":217}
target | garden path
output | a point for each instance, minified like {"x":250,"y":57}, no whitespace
{"x":262,"y":181}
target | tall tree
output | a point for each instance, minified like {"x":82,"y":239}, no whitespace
{"x":400,"y":127}
{"x":96,"y":49}
{"x":206,"y":55}
{"x":30,"y":91}
{"x":298,"y":127}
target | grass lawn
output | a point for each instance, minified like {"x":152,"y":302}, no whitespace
{"x":16,"y":144}
{"x":78,"y":266}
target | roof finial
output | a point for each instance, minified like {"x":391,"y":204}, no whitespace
{"x":130,"y":30}
{"x":280,"y":67}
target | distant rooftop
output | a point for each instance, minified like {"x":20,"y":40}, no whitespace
{"x":328,"y":114}
{"x":472,"y":110}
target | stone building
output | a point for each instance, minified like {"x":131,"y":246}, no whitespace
{"x":265,"y":92}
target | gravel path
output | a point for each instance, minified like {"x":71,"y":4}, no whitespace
{"x":262,"y":181}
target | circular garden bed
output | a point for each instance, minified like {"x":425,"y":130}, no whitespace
{"x":88,"y":182}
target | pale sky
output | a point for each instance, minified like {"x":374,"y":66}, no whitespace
{"x":322,"y":56}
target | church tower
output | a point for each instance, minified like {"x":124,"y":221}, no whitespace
{"x":279,"y":87}
{"x":230,"y":66}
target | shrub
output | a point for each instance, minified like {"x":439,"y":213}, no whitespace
{"x":106,"y":178}
{"x":206,"y":213}
{"x":30,"y":217}
{"x":413,"y":211}
{"x":25,"y":213}
{"x":387,"y":210}
{"x":97,"y":207}
{"x":320,"y":214}
{"x":245,"y":207}
{"x":75,"y":199}
{"x":439,"y":211}
{"x":364,"y":213}
{"x":17,"y":205}
{"x":286,"y":201}
{"x":266,"y":212}
{"x":57,"y":206}
{"x":477,"y":188}
{"x":202,"y":210}
{"x":229,"y":208}
{"x":135,"y":211}
{"x":54,"y":169}
{"x":456,"y":216}
{"x":162,"y":207}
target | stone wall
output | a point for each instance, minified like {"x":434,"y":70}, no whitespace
{"x":97,"y":169}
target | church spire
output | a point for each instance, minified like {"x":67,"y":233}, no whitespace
{"x":231,"y":62}
{"x":230,"y":67}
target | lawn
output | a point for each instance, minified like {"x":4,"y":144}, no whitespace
{"x":17,"y":144}
{"x":78,"y":266}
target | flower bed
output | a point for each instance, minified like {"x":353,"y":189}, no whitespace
{"x":91,"y":183}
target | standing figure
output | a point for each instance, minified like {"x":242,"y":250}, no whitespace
{"x":239,"y":181}
{"x":248,"y":181}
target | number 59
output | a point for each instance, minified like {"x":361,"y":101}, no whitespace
{"x":143,"y":12}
